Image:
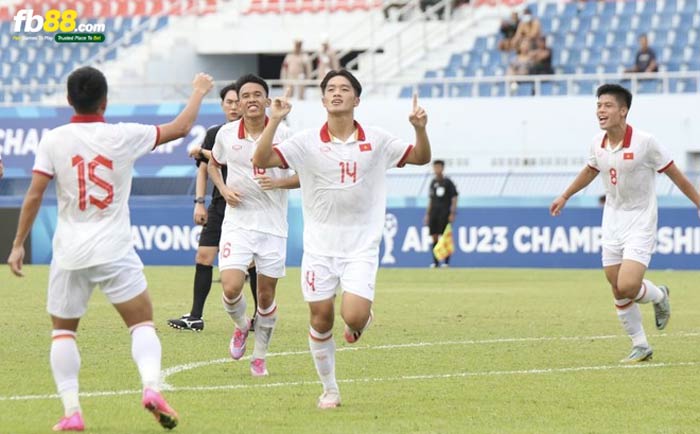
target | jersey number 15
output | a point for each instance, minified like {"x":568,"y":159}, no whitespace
{"x":79,"y":162}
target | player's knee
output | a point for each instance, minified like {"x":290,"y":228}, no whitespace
{"x":205,"y":257}
{"x":628,"y":289}
{"x":355,"y":319}
{"x":321,"y":324}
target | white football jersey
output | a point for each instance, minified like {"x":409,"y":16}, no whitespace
{"x":629,"y":176}
{"x":92,"y":164}
{"x":343,"y":187}
{"x":260,"y":210}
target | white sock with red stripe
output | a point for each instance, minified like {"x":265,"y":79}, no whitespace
{"x":631,"y":319}
{"x":649,"y":292}
{"x":146,"y":352}
{"x":322,"y":347}
{"x":264,"y":326}
{"x":65,"y":365}
{"x":236,"y":310}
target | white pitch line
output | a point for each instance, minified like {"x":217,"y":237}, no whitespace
{"x":194,"y":365}
{"x":375,"y":380}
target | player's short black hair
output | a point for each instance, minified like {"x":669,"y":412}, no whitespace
{"x":621,"y":94}
{"x":226,"y":89}
{"x":252,"y":78}
{"x":343,"y":73}
{"x":440,"y":162}
{"x":87,"y":89}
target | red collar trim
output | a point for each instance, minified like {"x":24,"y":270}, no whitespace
{"x":76,"y":119}
{"x":326,"y":135}
{"x":626,"y":142}
{"x":241,"y":128}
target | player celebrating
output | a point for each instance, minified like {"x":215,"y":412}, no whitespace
{"x":92,"y":163}
{"x":342,"y":169}
{"x":629,"y":160}
{"x":211,"y":219}
{"x":255,"y":224}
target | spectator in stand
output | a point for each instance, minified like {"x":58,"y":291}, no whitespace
{"x":645,"y":60}
{"x":508,"y":28}
{"x":541,"y":57}
{"x":327,"y":59}
{"x":529,"y":29}
{"x":296,"y":66}
{"x":522,"y":62}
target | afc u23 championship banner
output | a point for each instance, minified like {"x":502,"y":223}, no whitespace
{"x":483,"y":237}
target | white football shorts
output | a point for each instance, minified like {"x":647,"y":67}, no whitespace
{"x":322,"y":275}
{"x":70,"y":290}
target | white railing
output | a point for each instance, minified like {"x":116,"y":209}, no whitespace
{"x":439,"y":87}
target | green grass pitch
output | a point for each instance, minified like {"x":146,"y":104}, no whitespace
{"x":450,"y":351}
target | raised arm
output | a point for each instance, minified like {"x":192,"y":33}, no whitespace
{"x":585,"y":177}
{"x":264,"y":155}
{"x":683,"y":184}
{"x":30,"y":208}
{"x":420,"y":154}
{"x":181,"y":125}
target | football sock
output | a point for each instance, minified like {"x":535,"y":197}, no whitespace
{"x":146,"y":352}
{"x":65,"y":365}
{"x":649,"y":292}
{"x":432,"y":250}
{"x":322,"y":348}
{"x":264,"y":326}
{"x":202,"y":285}
{"x":631,"y":319}
{"x":236,"y":310}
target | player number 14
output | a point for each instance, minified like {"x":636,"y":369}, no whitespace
{"x":348,"y":169}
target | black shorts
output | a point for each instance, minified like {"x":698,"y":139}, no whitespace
{"x":211,"y":233}
{"x":437,"y":221}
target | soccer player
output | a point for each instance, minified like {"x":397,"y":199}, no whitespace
{"x":441,"y":208}
{"x":628,"y":160}
{"x":255,"y":223}
{"x":92,"y":163}
{"x":342,"y":168}
{"x":211,"y":219}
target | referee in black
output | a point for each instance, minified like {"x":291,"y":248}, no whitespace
{"x":441,"y":207}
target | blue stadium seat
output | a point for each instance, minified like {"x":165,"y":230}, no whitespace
{"x":629,"y":8}
{"x":685,"y":22}
{"x":589,"y":9}
{"x":461,"y":90}
{"x":431,"y":74}
{"x":682,"y":85}
{"x":649,"y":7}
{"x":525,"y":88}
{"x":649,"y":86}
{"x":642,"y":23}
{"x":665,"y":21}
{"x":658,"y":38}
{"x":585,"y":87}
{"x":406,"y":92}
{"x":479,"y":44}
{"x":570,"y":10}
{"x":670,"y":6}
{"x":550,"y":11}
{"x":690,"y":7}
{"x":608,"y":9}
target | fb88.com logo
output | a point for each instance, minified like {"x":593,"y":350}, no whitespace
{"x":54,"y":21}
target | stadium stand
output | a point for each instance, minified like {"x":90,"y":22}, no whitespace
{"x":591,"y":37}
{"x":35,"y":61}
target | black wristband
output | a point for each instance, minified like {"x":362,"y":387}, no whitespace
{"x":199,"y":200}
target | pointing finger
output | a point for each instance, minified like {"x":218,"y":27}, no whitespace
{"x":415,"y":100}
